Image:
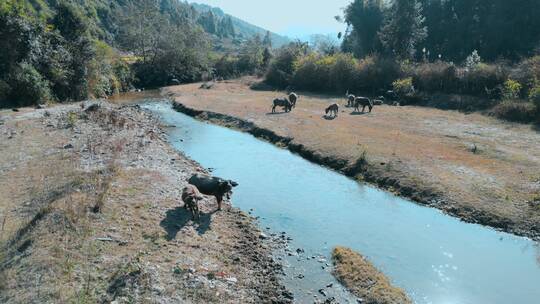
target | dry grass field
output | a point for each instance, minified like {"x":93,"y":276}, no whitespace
{"x":90,"y":212}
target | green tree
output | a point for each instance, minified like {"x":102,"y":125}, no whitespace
{"x":142,"y":28}
{"x":267,"y":41}
{"x":366,"y":18}
{"x":252,"y":55}
{"x":404,"y":28}
{"x":208,"y":22}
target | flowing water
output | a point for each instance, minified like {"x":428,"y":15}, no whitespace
{"x":435,"y":258}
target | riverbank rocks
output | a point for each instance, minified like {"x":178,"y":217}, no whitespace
{"x":365,"y":281}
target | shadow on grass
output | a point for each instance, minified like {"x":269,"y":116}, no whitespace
{"x":277,"y":113}
{"x":326,"y":117}
{"x":179,"y":217}
{"x":355,"y":113}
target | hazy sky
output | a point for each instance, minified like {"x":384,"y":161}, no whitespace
{"x":294,"y":18}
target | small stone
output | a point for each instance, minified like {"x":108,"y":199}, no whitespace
{"x":321,"y":291}
{"x":68,"y":146}
{"x":232,"y":280}
{"x":263,"y":236}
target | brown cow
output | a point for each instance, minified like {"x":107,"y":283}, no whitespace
{"x":191,"y":197}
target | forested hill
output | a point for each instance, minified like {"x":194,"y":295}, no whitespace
{"x":243,"y":29}
{"x":57,"y":50}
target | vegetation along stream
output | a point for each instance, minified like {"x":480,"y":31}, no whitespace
{"x":435,"y":258}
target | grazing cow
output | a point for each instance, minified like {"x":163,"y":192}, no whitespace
{"x":364,"y":102}
{"x":293,"y":97}
{"x":191,"y":197}
{"x":281,"y":102}
{"x":215,"y":186}
{"x":333,"y":108}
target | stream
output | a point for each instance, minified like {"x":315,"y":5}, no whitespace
{"x":435,"y":258}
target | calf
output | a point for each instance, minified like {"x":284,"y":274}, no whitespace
{"x":281,"y":102}
{"x":333,"y":108}
{"x":364,"y":102}
{"x":211,"y":185}
{"x":191,"y":197}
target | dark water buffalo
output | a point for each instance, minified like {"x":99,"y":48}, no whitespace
{"x":211,"y":185}
{"x":293,"y":98}
{"x":281,"y":102}
{"x":333,"y":108}
{"x":364,"y":102}
{"x":191,"y":197}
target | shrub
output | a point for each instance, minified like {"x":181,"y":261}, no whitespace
{"x":515,"y":110}
{"x":5,"y":90}
{"x":534,"y":97}
{"x":312,"y":72}
{"x":484,"y":77}
{"x":281,"y":68}
{"x":435,"y":77}
{"x":226,"y":67}
{"x":403,"y":87}
{"x":28,"y":87}
{"x":376,"y":73}
{"x":342,"y":72}
{"x":512,"y":89}
{"x":527,"y":72}
{"x":108,"y":73}
{"x":473,"y":60}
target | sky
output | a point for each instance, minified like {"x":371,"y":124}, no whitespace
{"x":293,"y":18}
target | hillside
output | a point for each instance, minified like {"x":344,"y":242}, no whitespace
{"x":73,"y":50}
{"x":243,"y":29}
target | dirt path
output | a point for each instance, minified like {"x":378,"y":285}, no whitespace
{"x":90,"y":212}
{"x":475,"y":167}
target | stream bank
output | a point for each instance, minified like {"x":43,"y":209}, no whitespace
{"x":364,"y":171}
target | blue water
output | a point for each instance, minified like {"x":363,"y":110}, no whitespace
{"x":435,"y":258}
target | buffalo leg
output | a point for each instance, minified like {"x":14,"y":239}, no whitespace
{"x":219,"y":200}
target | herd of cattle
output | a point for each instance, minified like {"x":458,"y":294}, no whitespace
{"x":288,"y":103}
{"x":200,"y":184}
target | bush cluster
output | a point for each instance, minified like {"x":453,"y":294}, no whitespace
{"x":55,"y":58}
{"x":515,"y":88}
